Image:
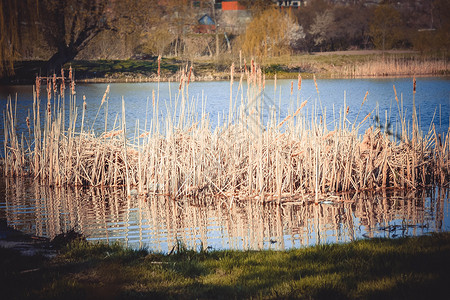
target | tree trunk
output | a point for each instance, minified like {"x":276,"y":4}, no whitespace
{"x":176,"y":47}
{"x":217,"y":44}
{"x":217,"y":28}
{"x":67,"y":52}
{"x":64,"y":55}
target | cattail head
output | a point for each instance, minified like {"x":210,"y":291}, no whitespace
{"x":72,"y":87}
{"x":159,"y":65}
{"x":365,"y":98}
{"x":300,"y":108}
{"x":112,"y":134}
{"x":189,"y":76}
{"x":62,"y":87}
{"x":143,"y":135}
{"x":284,"y":121}
{"x":63,"y":83}
{"x":414,"y":84}
{"x":299,"y":82}
{"x":395,"y":92}
{"x":348,"y":108}
{"x":181,"y":82}
{"x":84,"y":102}
{"x":105,"y":95}
{"x":38,"y":86}
{"x":315,"y":83}
{"x":28,"y":122}
{"x":303,"y":103}
{"x":70,"y":73}
{"x":55,"y":88}
{"x":49,"y":89}
{"x":365,"y":118}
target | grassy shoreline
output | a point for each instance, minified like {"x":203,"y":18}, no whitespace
{"x":405,"y":268}
{"x":342,"y":64}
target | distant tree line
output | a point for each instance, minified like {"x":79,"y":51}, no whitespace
{"x":58,"y":31}
{"x":422,"y":25}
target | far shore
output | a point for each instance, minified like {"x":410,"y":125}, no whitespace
{"x":366,"y":52}
{"x":339,"y":64}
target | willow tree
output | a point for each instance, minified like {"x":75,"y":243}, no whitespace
{"x":14,"y":17}
{"x":7,"y":36}
{"x":66,"y":26}
{"x":271,"y":33}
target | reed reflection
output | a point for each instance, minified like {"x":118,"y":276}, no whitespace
{"x":158,"y":222}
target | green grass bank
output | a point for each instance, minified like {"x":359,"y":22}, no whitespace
{"x":405,"y":268}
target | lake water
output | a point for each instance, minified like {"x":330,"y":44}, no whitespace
{"x":157,"y":223}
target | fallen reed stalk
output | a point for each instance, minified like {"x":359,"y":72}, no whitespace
{"x":244,"y":157}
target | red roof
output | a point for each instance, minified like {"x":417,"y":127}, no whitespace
{"x":232,"y":5}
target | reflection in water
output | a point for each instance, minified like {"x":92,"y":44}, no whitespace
{"x":157,"y":222}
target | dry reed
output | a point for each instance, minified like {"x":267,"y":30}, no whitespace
{"x":394,"y":66}
{"x":242,"y":158}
